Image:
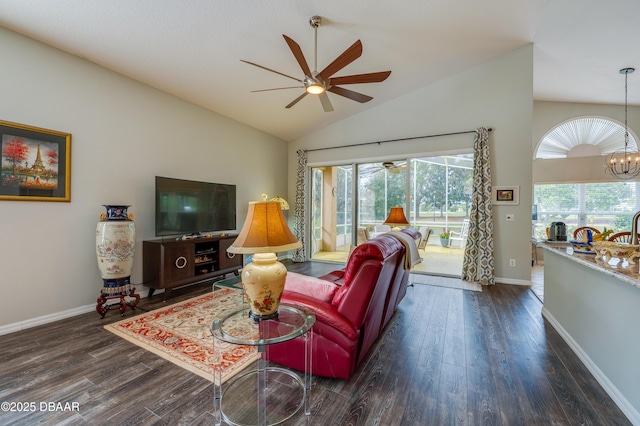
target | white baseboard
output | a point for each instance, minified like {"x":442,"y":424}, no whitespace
{"x":34,"y":322}
{"x":632,"y":414}
{"x":499,"y":280}
{"x":46,"y":319}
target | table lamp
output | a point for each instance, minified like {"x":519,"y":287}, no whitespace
{"x":264,"y":233}
{"x":396,"y":218}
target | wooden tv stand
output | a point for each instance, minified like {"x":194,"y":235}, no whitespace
{"x":169,"y":263}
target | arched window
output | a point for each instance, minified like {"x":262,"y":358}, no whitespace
{"x":584,"y":137}
{"x":595,"y":204}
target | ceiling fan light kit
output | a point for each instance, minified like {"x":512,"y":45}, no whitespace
{"x":319,"y":83}
{"x":314,"y":87}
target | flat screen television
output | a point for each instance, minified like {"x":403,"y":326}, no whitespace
{"x":191,"y":207}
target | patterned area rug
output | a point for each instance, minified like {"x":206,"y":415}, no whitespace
{"x":181,"y":333}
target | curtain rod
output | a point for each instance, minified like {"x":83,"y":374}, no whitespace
{"x":395,"y":140}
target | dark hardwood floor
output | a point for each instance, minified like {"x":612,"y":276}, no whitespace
{"x":447,"y":357}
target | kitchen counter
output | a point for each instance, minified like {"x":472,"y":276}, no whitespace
{"x":622,"y":270}
{"x":596,"y":309}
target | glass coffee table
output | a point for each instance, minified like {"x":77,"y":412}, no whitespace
{"x":268,"y":394}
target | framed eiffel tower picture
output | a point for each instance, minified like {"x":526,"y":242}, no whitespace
{"x":35,"y":163}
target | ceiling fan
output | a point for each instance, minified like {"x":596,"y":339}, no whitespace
{"x":393,"y":167}
{"x":319,"y":83}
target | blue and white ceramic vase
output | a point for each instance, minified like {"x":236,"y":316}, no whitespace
{"x":115,"y":248}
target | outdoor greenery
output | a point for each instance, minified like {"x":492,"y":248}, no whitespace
{"x":602,"y":197}
{"x":608,"y":204}
{"x":437,"y":189}
{"x":443,"y":189}
{"x":440,"y":188}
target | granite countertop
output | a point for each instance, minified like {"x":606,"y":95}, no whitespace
{"x":622,"y":270}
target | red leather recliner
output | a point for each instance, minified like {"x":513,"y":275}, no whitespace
{"x":367,"y":292}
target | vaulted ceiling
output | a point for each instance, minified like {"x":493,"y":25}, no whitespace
{"x":193,"y":48}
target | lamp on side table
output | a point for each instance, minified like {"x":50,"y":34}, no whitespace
{"x":264,"y":233}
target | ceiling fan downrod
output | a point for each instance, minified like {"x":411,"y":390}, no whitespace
{"x":315,"y":22}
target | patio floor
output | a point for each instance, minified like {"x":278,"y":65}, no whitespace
{"x":436,"y":260}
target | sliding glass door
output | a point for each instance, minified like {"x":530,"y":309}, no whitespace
{"x":435,"y":192}
{"x":441,"y":190}
{"x":331,"y":209}
{"x":380,"y":187}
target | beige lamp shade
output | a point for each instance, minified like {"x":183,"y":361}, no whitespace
{"x":264,"y":231}
{"x":396,"y":217}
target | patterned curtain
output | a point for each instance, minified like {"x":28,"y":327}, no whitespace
{"x":300,"y":254}
{"x":478,"y":263}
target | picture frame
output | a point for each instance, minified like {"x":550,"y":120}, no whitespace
{"x":35,"y":163}
{"x":505,"y":195}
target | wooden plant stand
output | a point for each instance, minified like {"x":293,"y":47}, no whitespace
{"x":103,"y":306}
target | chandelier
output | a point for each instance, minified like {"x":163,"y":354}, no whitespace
{"x":624,"y":163}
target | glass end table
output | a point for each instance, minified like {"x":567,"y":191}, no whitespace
{"x":267,"y":395}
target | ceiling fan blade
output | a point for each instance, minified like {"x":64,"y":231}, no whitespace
{"x":348,"y":56}
{"x":374,"y":77}
{"x":355,"y":96}
{"x":297,"y":52}
{"x":296,"y":100}
{"x":277,"y":88}
{"x":269,"y":69}
{"x":326,"y":103}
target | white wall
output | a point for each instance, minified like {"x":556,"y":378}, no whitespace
{"x":496,"y":94}
{"x":123,"y":134}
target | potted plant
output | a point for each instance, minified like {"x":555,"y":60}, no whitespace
{"x":444,"y":237}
